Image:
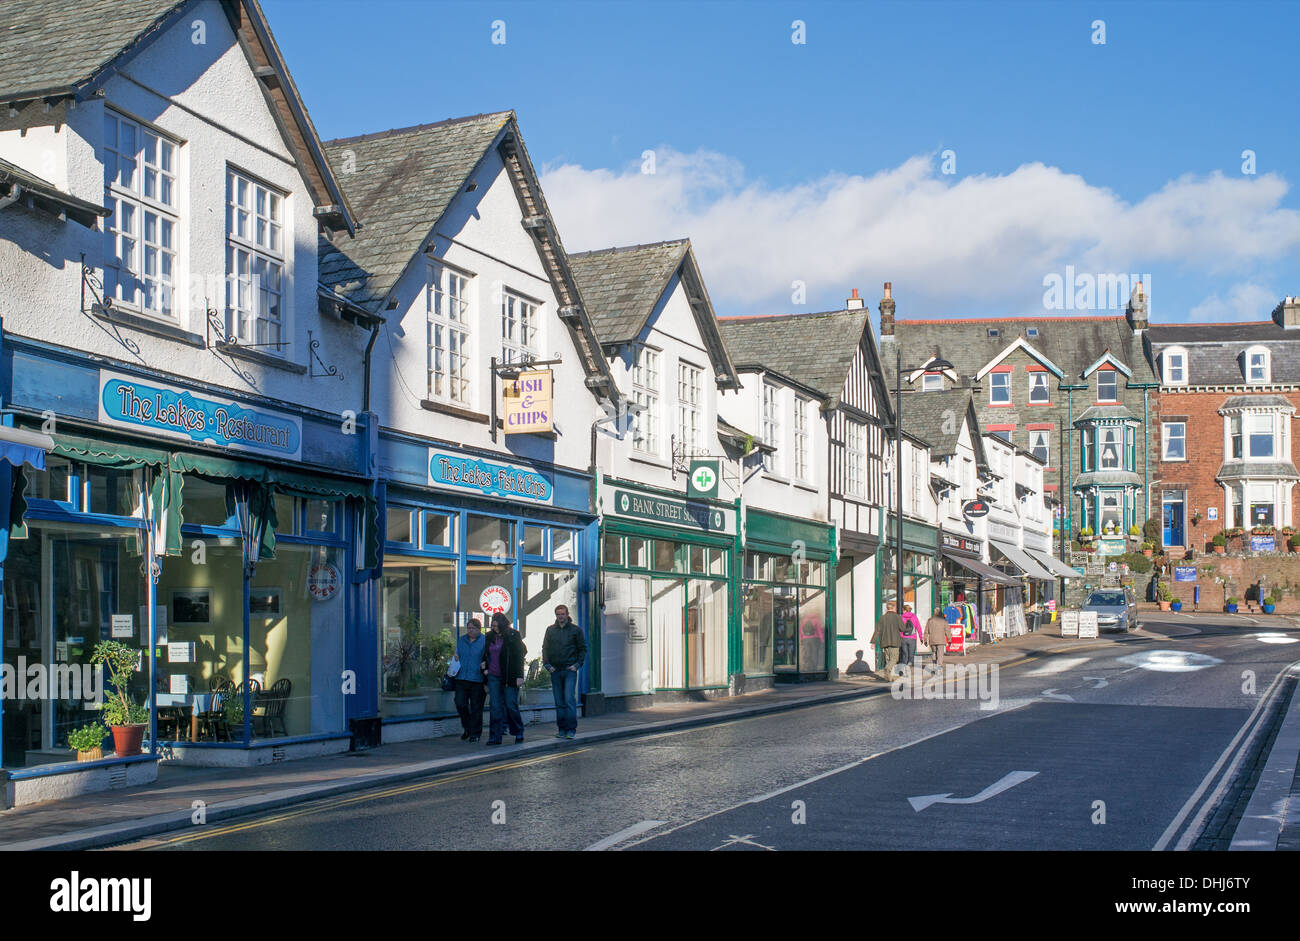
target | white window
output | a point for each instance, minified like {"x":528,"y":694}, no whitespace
{"x":771,"y":425}
{"x":689,"y":422}
{"x":1108,"y":448}
{"x":802,"y":470}
{"x":254,"y":262}
{"x":855,"y":458}
{"x":1175,"y":441}
{"x":1257,"y":365}
{"x":918,"y":482}
{"x":1039,"y":445}
{"x":1000,"y":388}
{"x":518,"y":329}
{"x":1259,"y":435}
{"x":1038,"y":390}
{"x":142,"y":232}
{"x":449,"y":336}
{"x":645,"y":392}
{"x":1107,"y":385}
{"x":932,"y":382}
{"x":1175,"y":362}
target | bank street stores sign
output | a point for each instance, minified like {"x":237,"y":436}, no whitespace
{"x":529,"y":404}
{"x":667,"y":511}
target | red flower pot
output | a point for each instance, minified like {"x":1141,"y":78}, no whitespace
{"x":127,"y":739}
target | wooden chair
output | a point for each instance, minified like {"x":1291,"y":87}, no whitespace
{"x":273,"y":702}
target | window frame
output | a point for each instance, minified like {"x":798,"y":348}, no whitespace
{"x":1114,"y":379}
{"x":1167,"y":436}
{"x":994,"y":386}
{"x":1266,"y":366}
{"x":690,"y":406}
{"x":255,"y":251}
{"x":527,"y":319}
{"x":770,"y":424}
{"x":932,"y":382}
{"x":646,"y":364}
{"x":855,"y":458}
{"x":802,"y":453}
{"x":1035,"y":385}
{"x":1168,"y":367}
{"x":1046,"y":444}
{"x":439,"y":301}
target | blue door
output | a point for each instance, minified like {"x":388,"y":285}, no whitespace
{"x":1174,"y":535}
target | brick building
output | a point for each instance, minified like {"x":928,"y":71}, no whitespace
{"x":1228,"y":396}
{"x":1076,"y":392}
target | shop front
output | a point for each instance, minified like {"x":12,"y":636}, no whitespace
{"x":969,"y":590}
{"x":668,"y":570}
{"x":920,"y":551}
{"x":787,"y":605}
{"x":220,"y":538}
{"x":1018,"y":605}
{"x":480,"y":533}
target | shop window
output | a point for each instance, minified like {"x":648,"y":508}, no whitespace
{"x":322,"y":516}
{"x":51,"y":483}
{"x":534,"y":541}
{"x":706,"y":632}
{"x":812,"y":629}
{"x":563,"y":546}
{"x":785,"y":629}
{"x":206,"y":503}
{"x":417,"y":603}
{"x":612,"y":550}
{"x":480,"y":576}
{"x":718,"y":562}
{"x":543,"y":590}
{"x":112,"y":492}
{"x":286,"y":514}
{"x":439,"y":530}
{"x":697,"y":559}
{"x":489,"y":535}
{"x":756,"y":628}
{"x":399,"y":525}
{"x":665,"y":555}
{"x":638,"y":552}
{"x":625,"y":665}
{"x":782,"y":569}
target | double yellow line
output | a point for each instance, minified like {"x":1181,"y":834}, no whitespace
{"x":337,"y":802}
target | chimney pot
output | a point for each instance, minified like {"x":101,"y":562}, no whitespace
{"x":887,"y":313}
{"x":855,"y":302}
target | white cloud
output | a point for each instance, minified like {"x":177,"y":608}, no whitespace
{"x":1244,"y":301}
{"x":950,"y":242}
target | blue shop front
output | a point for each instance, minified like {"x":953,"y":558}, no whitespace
{"x":467,"y":532}
{"x":231,"y":541}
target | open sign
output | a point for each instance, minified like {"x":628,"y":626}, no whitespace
{"x":494,"y":600}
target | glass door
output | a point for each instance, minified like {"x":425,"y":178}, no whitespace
{"x":1174,"y":517}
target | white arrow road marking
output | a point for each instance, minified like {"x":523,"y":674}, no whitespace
{"x":1011,"y":780}
{"x":1100,"y":681}
{"x":1056,"y":665}
{"x":745,"y":840}
{"x":626,"y":834}
{"x":1053,"y":694}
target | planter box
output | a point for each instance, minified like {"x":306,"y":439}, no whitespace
{"x":393,"y":706}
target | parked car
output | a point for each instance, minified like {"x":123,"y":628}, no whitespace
{"x":1116,"y":609}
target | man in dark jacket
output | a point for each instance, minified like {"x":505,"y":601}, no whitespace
{"x":889,"y":635}
{"x":563,"y":651}
{"x":503,"y":664}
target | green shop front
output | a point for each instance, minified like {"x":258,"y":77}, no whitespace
{"x":667,"y":576}
{"x":920,"y":553}
{"x":787,"y":605}
{"x":220,"y":537}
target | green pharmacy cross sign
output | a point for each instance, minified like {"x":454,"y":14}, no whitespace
{"x":703,"y":480}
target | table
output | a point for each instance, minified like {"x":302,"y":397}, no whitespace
{"x":197,"y":703}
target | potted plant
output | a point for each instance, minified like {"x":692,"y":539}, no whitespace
{"x":1134,"y":532}
{"x":88,"y":741}
{"x":401,"y":666}
{"x":436,"y":657}
{"x":127,"y":718}
{"x":1220,"y":542}
{"x":1148,"y":550}
{"x":1163,"y":595}
{"x":535,"y":677}
{"x":1232,"y":604}
{"x":1293,"y":543}
{"x":1196,"y":517}
{"x":1270,"y":603}
{"x":1085,"y":535}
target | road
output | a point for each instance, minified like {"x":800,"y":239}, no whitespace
{"x":1115,"y":748}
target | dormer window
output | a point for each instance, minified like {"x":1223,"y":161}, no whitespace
{"x":1175,"y":367}
{"x":1257,"y":364}
{"x":932,"y":382}
{"x":1107,"y":385}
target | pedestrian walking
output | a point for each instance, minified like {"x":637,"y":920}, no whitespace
{"x":936,"y":635}
{"x":911,"y":635}
{"x":564,"y":649}
{"x":889,"y":635}
{"x":504,"y":664}
{"x":471,"y":650}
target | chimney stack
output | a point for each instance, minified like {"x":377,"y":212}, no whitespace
{"x":1137,"y":309}
{"x":855,"y":302}
{"x":1287,"y":313}
{"x":887,"y":313}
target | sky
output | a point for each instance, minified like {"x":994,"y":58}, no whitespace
{"x":986,"y":158}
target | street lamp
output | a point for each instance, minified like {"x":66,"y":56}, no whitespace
{"x":933,"y":364}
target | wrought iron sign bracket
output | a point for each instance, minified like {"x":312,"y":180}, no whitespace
{"x":326,"y":372}
{"x":101,"y":306}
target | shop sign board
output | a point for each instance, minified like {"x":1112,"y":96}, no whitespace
{"x":962,"y":544}
{"x":323,"y":581}
{"x":529,"y":403}
{"x":1069,"y":623}
{"x":1087,"y":623}
{"x":974,"y":509}
{"x":488,"y":478}
{"x":179,"y":413}
{"x":703,"y":480}
{"x":1184,"y":573}
{"x":1263,"y":543}
{"x":671,"y":512}
{"x":494,"y":600}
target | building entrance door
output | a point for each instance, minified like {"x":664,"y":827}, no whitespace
{"x":1174,"y":516}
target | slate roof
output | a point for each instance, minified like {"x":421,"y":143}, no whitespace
{"x":1072,"y":343}
{"x":1257,"y":401}
{"x":401,"y":184}
{"x":49,"y":46}
{"x":80,"y":210}
{"x":1096,"y":412}
{"x":815,"y":350}
{"x":1232,"y":469}
{"x":1214,"y":350}
{"x":937,"y":418}
{"x":1107,"y":478}
{"x":621,"y":286}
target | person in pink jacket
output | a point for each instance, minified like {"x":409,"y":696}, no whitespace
{"x":911,"y":634}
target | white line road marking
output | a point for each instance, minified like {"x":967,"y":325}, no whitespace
{"x":746,"y":840}
{"x":1053,"y":694}
{"x":1057,"y":666}
{"x":1186,"y":810}
{"x":625,"y":834}
{"x":993,"y":790}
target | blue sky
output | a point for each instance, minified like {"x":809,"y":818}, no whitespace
{"x":822,"y":163}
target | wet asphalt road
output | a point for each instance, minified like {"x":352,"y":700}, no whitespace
{"x":1135,"y":726}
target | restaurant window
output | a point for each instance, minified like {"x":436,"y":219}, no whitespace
{"x":542,"y":590}
{"x":534,"y":541}
{"x":439,"y":530}
{"x":399,"y":524}
{"x":142,"y":231}
{"x":489,"y":535}
{"x":417,"y":603}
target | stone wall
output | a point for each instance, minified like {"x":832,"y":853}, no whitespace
{"x":1222,"y":576}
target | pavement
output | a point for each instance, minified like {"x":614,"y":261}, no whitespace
{"x":183,"y":796}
